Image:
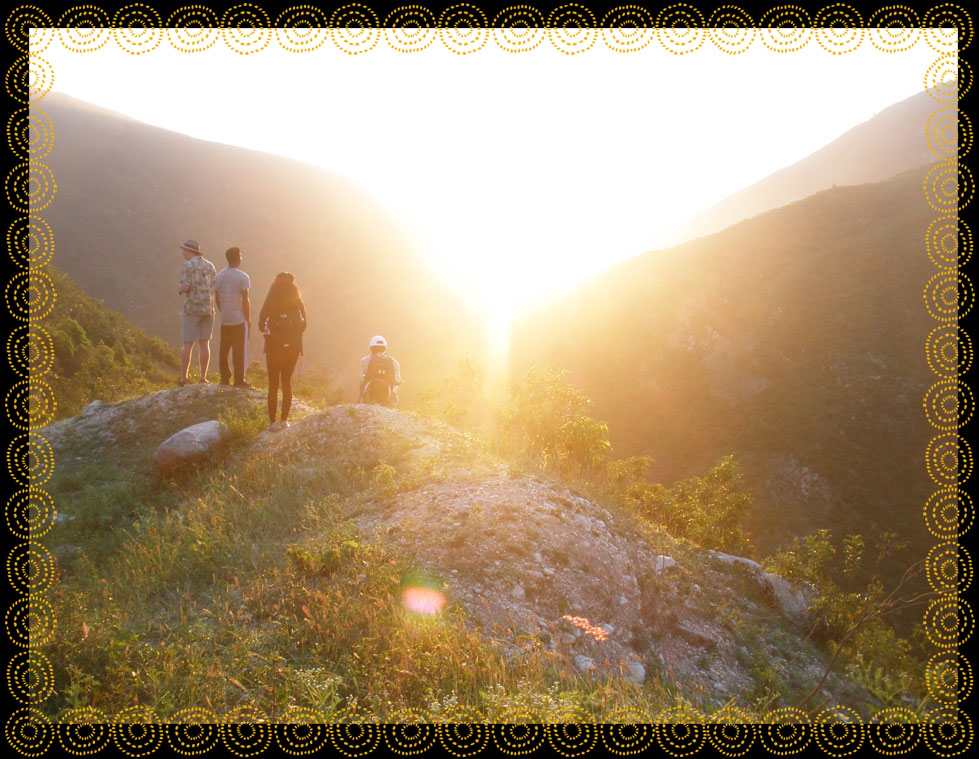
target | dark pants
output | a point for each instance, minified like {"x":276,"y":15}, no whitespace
{"x":281,"y":363}
{"x":232,"y":339}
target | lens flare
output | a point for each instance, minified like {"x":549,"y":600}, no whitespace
{"x":420,"y":600}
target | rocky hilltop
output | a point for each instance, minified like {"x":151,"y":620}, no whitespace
{"x":531,"y":569}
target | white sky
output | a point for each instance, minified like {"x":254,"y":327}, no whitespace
{"x":516,"y":175}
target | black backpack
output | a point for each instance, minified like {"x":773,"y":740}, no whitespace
{"x":379,"y":378}
{"x":286,"y":329}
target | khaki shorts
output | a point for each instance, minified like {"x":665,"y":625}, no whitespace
{"x":195,"y":328}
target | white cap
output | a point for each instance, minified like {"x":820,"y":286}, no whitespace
{"x":378,"y":340}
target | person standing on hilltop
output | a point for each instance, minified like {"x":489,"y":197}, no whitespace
{"x":380,"y":375}
{"x":231,"y":296}
{"x":283,"y":321}
{"x":197,"y":284}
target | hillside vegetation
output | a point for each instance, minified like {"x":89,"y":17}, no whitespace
{"x":376,"y":560}
{"x":794,"y":340}
{"x":98,"y":353}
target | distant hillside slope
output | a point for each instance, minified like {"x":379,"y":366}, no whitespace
{"x":129,"y":194}
{"x":99,"y":353}
{"x":794,"y":340}
{"x":891,"y":142}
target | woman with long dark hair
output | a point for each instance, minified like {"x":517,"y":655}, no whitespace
{"x":283,"y":321}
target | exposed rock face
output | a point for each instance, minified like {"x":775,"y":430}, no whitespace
{"x":794,"y":602}
{"x":188,"y":445}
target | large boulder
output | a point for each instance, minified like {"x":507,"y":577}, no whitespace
{"x":793,"y":601}
{"x":190,"y":444}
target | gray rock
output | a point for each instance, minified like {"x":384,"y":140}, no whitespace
{"x":91,"y":408}
{"x":584,"y":663}
{"x":662,"y":563}
{"x":518,"y":591}
{"x":190,"y":444}
{"x":729,"y":559}
{"x":793,"y":601}
{"x":637,"y":673}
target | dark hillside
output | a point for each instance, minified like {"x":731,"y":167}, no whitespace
{"x":794,"y":340}
{"x":129,"y":194}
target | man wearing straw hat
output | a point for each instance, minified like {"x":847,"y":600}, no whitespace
{"x":197,"y":284}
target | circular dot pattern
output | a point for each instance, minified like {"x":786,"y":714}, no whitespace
{"x":949,"y":677}
{"x":839,"y":28}
{"x":409,"y":735}
{"x":731,"y":733}
{"x":573,"y":734}
{"x":839,"y":731}
{"x":520,"y":734}
{"x":949,"y":405}
{"x":785,"y":28}
{"x":28,"y":28}
{"x":302,"y":29}
{"x":30,"y":569}
{"x":30,"y":295}
{"x":136,"y":731}
{"x":30,"y":134}
{"x":304,"y":732}
{"x":194,"y":732}
{"x":245,"y":29}
{"x":30,"y":677}
{"x":949,"y":133}
{"x":463,"y":735}
{"x":84,"y":731}
{"x":410,"y":29}
{"x":894,"y":28}
{"x":519,"y":29}
{"x":948,"y":731}
{"x":948,"y":296}
{"x":572,"y":29}
{"x":29,"y":79}
{"x":937,"y":22}
{"x":355,"y":29}
{"x":948,"y":79}
{"x":30,"y":242}
{"x":462,"y":28}
{"x":30,"y":404}
{"x":949,"y":242}
{"x":948,"y":459}
{"x":948,"y":622}
{"x":949,"y":513}
{"x":631,"y":732}
{"x":30,"y":460}
{"x":30,"y":622}
{"x":29,"y":732}
{"x":30,"y":351}
{"x":731,"y":29}
{"x":680,"y":28}
{"x":30,"y":513}
{"x":84,"y":29}
{"x":894,"y":731}
{"x":30,"y":187}
{"x":137,"y":29}
{"x":193,"y":29}
{"x":948,"y":568}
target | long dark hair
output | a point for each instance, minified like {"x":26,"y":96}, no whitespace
{"x":283,"y":294}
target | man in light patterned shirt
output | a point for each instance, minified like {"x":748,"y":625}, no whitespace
{"x":197,"y":284}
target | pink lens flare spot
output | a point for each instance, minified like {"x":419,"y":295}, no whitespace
{"x":425,"y":601}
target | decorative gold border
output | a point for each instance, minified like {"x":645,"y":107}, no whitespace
{"x":466,"y":29}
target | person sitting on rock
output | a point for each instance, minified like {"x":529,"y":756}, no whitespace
{"x":380,"y":375}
